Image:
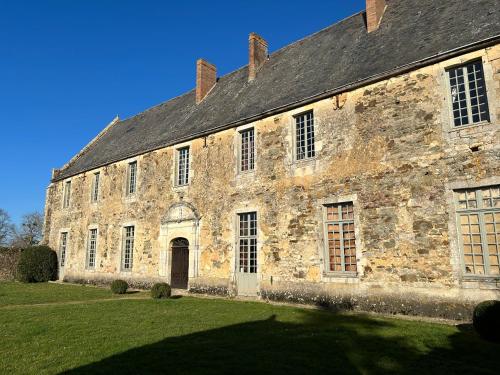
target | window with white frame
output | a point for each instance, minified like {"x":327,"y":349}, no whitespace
{"x":67,"y":194}
{"x":128,"y":247}
{"x":247,"y":242}
{"x":247,"y":150}
{"x":63,"y":245}
{"x":132,"y":178}
{"x":304,"y":136}
{"x":468,"y":94}
{"x":95,"y":187}
{"x":478,"y":214}
{"x":340,"y":238}
{"x":92,"y":248}
{"x":182,"y":175}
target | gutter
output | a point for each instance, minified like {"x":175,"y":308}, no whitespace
{"x":436,"y":58}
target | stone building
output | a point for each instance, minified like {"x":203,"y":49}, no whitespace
{"x":357,"y":167}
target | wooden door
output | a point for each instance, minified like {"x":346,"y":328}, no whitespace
{"x":180,"y":265}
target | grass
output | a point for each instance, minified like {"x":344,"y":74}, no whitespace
{"x":190,"y":335}
{"x":31,"y":294}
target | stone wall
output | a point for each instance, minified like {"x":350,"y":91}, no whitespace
{"x":8,"y":263}
{"x":389,"y":147}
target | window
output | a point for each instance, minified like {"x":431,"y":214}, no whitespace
{"x":341,"y":239}
{"x":92,"y":248}
{"x":479,"y":223}
{"x":128,"y":247}
{"x":132,"y":178}
{"x":182,"y":166}
{"x":468,"y":94}
{"x":67,"y":194}
{"x":63,"y":244}
{"x":247,"y":242}
{"x":247,"y":150}
{"x":95,"y":188}
{"x":304,"y":133}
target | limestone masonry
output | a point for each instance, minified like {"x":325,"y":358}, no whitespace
{"x":382,"y":194}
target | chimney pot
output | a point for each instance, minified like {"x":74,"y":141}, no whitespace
{"x":374,"y":11}
{"x":257,"y":54}
{"x":206,"y":77}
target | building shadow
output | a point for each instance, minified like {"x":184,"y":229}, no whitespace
{"x":322,"y":342}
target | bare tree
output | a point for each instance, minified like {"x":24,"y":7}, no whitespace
{"x":6,"y":228}
{"x":30,"y":231}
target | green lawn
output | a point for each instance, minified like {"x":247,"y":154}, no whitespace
{"x":190,"y":335}
{"x":31,"y":294}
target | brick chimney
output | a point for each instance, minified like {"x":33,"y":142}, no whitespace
{"x":374,"y":12}
{"x":257,"y":54}
{"x":206,"y":77}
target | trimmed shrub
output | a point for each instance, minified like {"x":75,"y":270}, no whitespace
{"x":486,"y":320}
{"x":37,"y":264}
{"x":161,"y":290}
{"x":119,"y":287}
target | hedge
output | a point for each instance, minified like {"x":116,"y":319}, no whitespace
{"x":37,"y":264}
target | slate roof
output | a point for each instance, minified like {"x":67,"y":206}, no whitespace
{"x":342,"y":54}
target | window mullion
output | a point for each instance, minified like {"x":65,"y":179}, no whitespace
{"x":484,"y":243}
{"x":467,"y":94}
{"x":342,"y":250}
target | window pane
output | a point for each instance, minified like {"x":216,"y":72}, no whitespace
{"x":480,"y":230}
{"x":92,"y":248}
{"x":247,"y":242}
{"x":341,"y":238}
{"x":468,"y":94}
{"x":304,"y":133}
{"x":63,"y":243}
{"x":247,"y":150}
{"x":95,"y":187}
{"x":183,"y":166}
{"x":132,"y":178}
{"x":477,"y":92}
{"x":128,"y":247}
{"x":67,"y":194}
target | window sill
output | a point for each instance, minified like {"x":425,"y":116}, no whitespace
{"x":246,"y":173}
{"x":477,"y":125}
{"x":485,"y":278}
{"x":130,"y":198}
{"x":305,"y":161}
{"x":341,"y":275}
{"x":181,"y":187}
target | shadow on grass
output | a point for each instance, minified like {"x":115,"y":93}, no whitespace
{"x":323,"y":342}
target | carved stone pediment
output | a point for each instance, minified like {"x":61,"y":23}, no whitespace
{"x":179,"y":212}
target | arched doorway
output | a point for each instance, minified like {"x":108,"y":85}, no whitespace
{"x":180,"y":263}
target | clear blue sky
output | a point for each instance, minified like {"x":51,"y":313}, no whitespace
{"x":68,"y":67}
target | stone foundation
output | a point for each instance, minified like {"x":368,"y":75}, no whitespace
{"x":454,"y":304}
{"x":213,"y":286}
